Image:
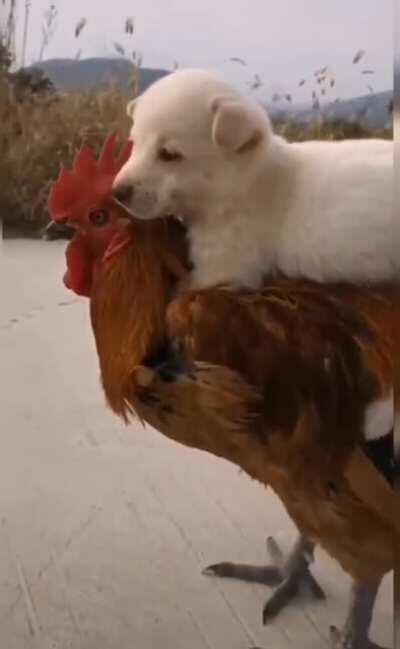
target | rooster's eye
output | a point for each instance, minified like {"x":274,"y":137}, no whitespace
{"x":99,"y":218}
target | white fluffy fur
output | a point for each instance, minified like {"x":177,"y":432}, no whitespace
{"x":379,"y":418}
{"x":254,"y":203}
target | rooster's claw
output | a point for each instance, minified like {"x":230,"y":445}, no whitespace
{"x":289,"y":576}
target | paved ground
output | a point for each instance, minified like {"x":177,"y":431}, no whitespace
{"x":104,"y":529}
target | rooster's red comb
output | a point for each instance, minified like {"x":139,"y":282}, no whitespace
{"x":89,"y":180}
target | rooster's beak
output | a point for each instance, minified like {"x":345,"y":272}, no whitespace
{"x":54,"y":231}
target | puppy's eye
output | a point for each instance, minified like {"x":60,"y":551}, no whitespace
{"x":169,"y":156}
{"x":99,"y":218}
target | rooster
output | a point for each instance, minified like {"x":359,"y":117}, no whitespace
{"x":293,"y":383}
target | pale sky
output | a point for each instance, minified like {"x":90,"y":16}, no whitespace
{"x":283,"y":41}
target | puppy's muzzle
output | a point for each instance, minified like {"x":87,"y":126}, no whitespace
{"x":123,"y":194}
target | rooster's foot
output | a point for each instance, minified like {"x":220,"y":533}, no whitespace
{"x":358,"y":623}
{"x":288,"y":575}
{"x":347,"y":641}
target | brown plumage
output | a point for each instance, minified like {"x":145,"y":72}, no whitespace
{"x":317,"y":357}
{"x":276,"y":381}
{"x":279,"y":385}
{"x":129,"y":301}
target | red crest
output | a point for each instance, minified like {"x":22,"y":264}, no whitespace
{"x":89,"y":181}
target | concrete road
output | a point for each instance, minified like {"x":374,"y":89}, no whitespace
{"x":104,"y":529}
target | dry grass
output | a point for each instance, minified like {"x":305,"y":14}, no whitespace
{"x":330,"y":130}
{"x":39,"y":134}
{"x":41,"y":131}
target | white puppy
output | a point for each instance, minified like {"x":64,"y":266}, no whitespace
{"x":253,"y":203}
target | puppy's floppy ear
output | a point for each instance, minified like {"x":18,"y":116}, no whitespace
{"x":130,"y":108}
{"x":236,"y":126}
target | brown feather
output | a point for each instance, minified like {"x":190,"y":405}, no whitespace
{"x":318,"y":355}
{"x":279,"y":384}
{"x":129,"y":301}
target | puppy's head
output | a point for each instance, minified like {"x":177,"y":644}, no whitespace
{"x":196,"y":140}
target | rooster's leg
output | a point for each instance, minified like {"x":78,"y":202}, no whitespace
{"x":290,"y":575}
{"x":355,"y":634}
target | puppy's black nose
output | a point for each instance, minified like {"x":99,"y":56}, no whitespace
{"x":123,"y":193}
